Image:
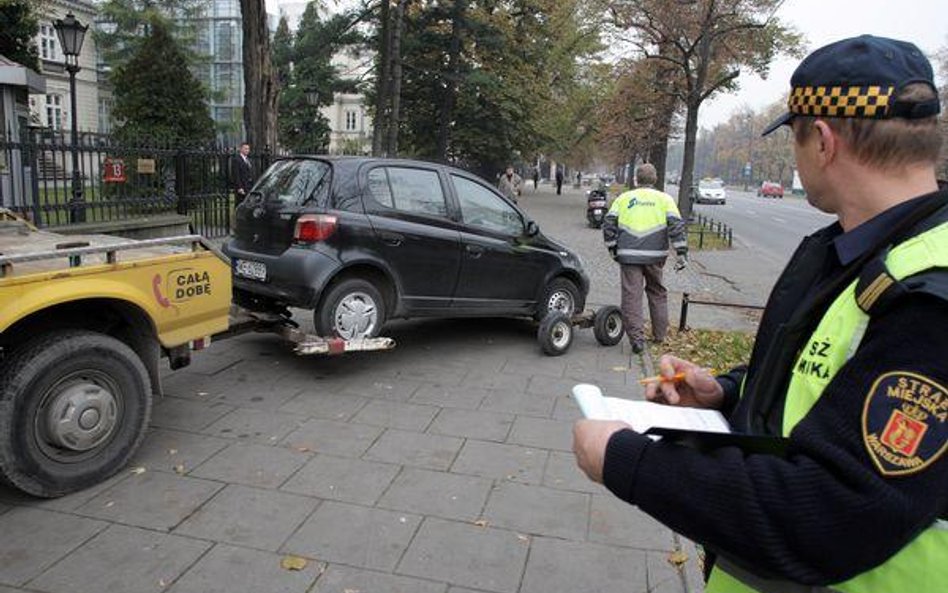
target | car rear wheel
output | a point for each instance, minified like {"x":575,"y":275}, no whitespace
{"x":560,"y":295}
{"x":353,"y":308}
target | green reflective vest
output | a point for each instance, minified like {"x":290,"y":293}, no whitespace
{"x":645,"y":220}
{"x":922,"y":565}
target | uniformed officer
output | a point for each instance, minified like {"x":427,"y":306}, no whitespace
{"x":848,"y":366}
{"x":637,"y":230}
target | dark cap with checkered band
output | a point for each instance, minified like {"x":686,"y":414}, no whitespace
{"x":859,"y":77}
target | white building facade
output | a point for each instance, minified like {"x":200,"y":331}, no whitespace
{"x":52,"y":110}
{"x":349,"y":122}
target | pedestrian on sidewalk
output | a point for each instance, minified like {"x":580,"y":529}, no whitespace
{"x":511,"y":184}
{"x":536,"y":179}
{"x":242,"y":173}
{"x":559,"y":181}
{"x":838,"y":479}
{"x":637,"y":230}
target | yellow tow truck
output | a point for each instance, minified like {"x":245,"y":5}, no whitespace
{"x":84,"y":322}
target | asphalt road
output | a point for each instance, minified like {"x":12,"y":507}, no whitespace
{"x":770,"y":227}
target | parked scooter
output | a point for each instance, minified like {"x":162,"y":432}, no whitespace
{"x":596,"y":206}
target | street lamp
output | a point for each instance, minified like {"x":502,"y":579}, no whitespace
{"x":71,"y":33}
{"x":748,"y":167}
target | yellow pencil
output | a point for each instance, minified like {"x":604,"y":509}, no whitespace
{"x":676,"y":378}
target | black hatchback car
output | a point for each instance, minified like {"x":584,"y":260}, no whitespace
{"x":363,"y":240}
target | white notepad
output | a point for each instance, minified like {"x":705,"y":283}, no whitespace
{"x":642,"y":416}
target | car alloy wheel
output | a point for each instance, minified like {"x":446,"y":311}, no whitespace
{"x":356,"y":316}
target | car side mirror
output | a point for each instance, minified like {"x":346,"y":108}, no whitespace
{"x":532,"y":229}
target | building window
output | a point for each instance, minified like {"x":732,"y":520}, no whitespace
{"x":54,"y":112}
{"x":105,"y":115}
{"x":49,"y":44}
{"x":352,"y":119}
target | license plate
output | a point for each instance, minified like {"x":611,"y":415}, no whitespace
{"x":250,"y":269}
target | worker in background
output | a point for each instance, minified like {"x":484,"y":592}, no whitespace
{"x":637,"y":231}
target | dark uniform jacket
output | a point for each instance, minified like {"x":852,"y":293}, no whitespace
{"x":242,"y":176}
{"x":821,"y":513}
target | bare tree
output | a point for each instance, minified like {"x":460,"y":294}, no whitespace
{"x":260,"y":84}
{"x":383,"y":86}
{"x":706,"y":42}
{"x":396,"y":82}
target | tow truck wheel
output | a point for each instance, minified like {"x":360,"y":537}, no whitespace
{"x":74,"y":407}
{"x":607,"y":325}
{"x":555,"y":334}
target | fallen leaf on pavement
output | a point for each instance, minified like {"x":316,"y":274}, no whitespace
{"x":293,"y":563}
{"x":172,"y":451}
{"x":179,"y":469}
{"x":138,"y":470}
{"x":481,"y":523}
{"x":303,"y":449}
{"x":620,"y":369}
{"x":677,"y":558}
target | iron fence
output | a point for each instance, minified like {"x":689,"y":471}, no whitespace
{"x":118,"y":180}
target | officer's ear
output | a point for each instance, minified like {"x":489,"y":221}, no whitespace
{"x":828,"y":142}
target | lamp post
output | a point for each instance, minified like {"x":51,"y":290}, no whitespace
{"x":748,"y":167}
{"x":71,"y":33}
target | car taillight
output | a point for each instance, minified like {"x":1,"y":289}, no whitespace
{"x":312,"y":228}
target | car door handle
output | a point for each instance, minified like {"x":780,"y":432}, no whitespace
{"x":474,"y":251}
{"x":393,"y":239}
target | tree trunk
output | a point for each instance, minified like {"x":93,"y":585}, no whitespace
{"x":260,"y":85}
{"x":688,"y":162}
{"x":383,"y":81}
{"x":396,"y":83}
{"x":658,"y":155}
{"x":450,"y":91}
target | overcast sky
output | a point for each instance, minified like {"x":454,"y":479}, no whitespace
{"x":924,"y":22}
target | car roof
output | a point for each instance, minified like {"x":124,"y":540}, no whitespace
{"x":351,"y":162}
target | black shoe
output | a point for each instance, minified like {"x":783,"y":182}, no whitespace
{"x":638,"y":346}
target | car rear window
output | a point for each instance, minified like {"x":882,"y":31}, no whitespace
{"x":294,"y":183}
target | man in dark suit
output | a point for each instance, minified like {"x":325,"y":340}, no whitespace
{"x":242,"y":173}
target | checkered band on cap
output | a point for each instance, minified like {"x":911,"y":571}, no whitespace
{"x":841,"y":101}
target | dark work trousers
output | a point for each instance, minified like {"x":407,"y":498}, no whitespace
{"x":633,"y":278}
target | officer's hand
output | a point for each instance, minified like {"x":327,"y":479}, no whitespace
{"x":590,"y":438}
{"x":681,"y":262}
{"x":698,"y":389}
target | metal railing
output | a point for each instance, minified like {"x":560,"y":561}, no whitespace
{"x":120,"y":180}
{"x":709,"y":226}
{"x":686,"y":301}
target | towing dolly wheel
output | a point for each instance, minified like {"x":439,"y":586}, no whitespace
{"x":607,"y":325}
{"x":555,"y":334}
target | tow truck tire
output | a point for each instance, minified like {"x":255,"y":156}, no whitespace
{"x":74,"y":408}
{"x":555,"y":334}
{"x":607,"y":325}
